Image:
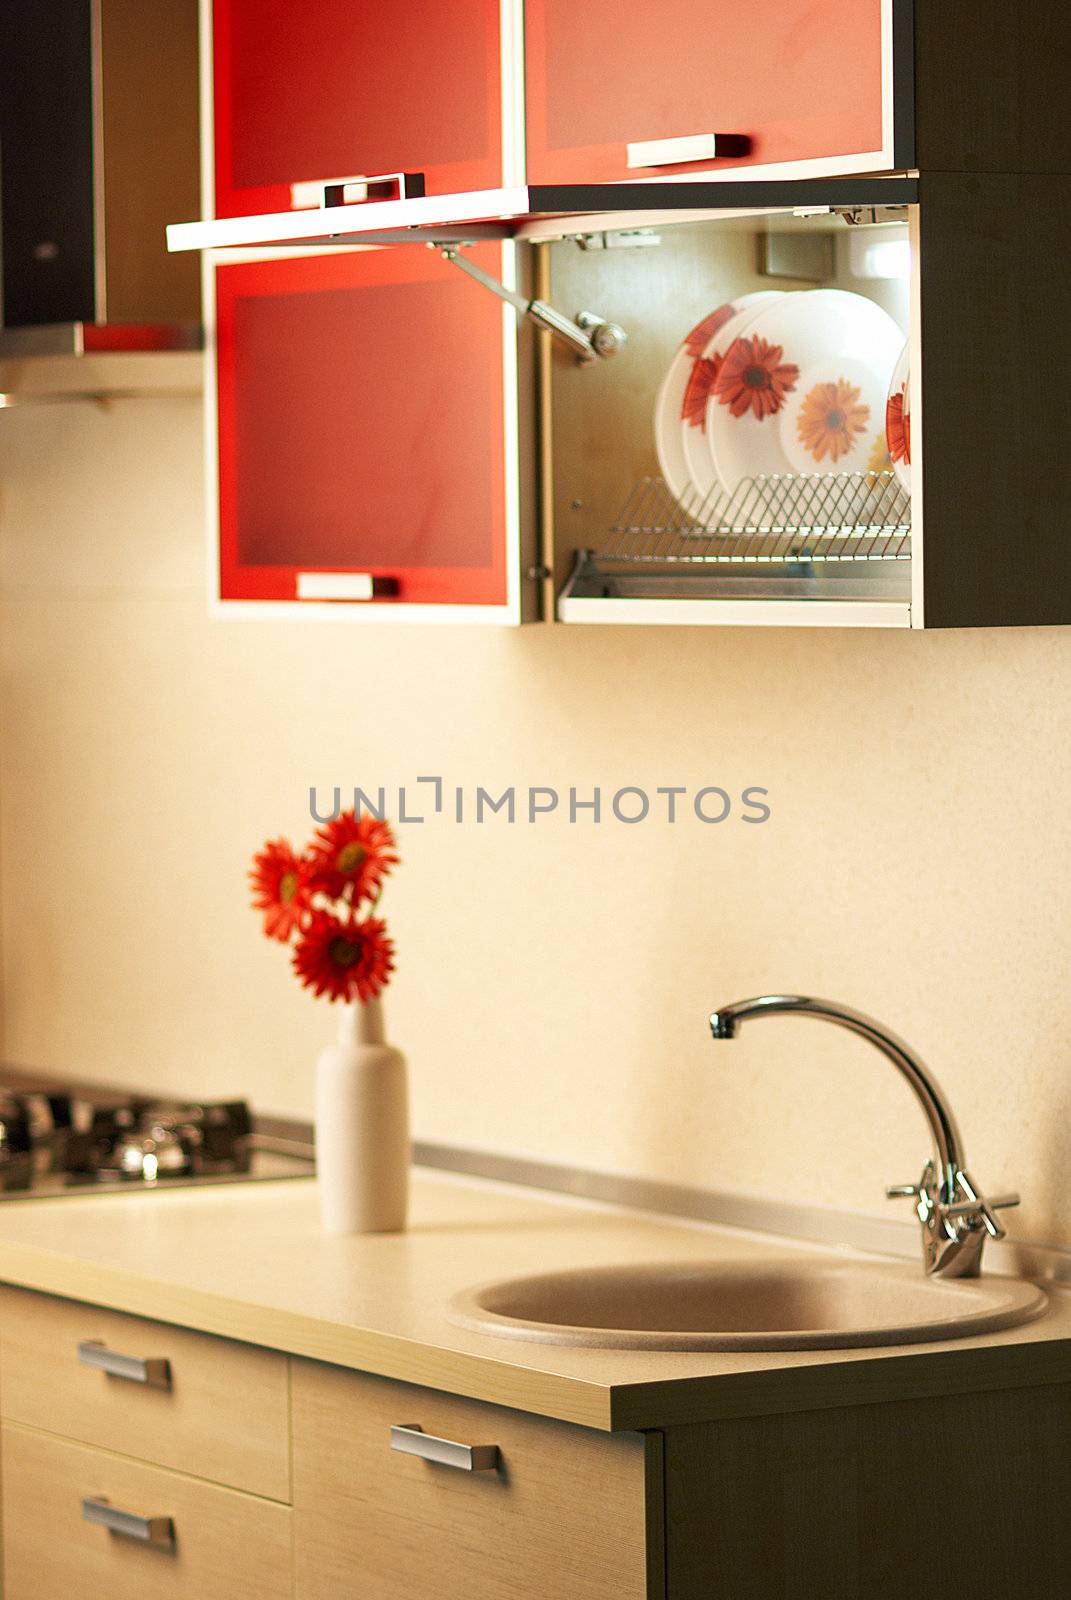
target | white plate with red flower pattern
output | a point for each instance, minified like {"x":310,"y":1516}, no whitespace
{"x":898,"y":421}
{"x":704,"y":374}
{"x":802,"y":390}
{"x":847,"y":350}
{"x":680,"y":406}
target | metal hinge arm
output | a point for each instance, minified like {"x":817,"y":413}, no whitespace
{"x":589,"y":336}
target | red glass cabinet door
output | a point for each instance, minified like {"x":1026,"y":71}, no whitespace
{"x":308,"y":90}
{"x":361,"y":428}
{"x":799,"y":80}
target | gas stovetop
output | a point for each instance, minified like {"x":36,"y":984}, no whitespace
{"x":57,"y":1142}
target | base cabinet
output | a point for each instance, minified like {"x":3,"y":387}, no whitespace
{"x":186,"y":1539}
{"x":208,"y":1407}
{"x":389,"y":1491}
{"x":964,"y":1494}
{"x":561,"y":1511}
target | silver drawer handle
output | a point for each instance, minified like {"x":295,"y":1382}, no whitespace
{"x":157,"y":1531}
{"x":411,"y":1440}
{"x":155,"y":1372}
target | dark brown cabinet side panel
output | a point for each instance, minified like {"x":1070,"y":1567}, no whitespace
{"x":151,"y":147}
{"x":916,"y":1497}
{"x":991,"y":86}
{"x":996,"y":340}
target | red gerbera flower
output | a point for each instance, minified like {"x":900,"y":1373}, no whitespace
{"x":753,"y":377}
{"x":280,"y":890}
{"x":701,"y":380}
{"x":343,"y":958}
{"x":704,"y":331}
{"x":898,"y":428}
{"x":351,"y":856}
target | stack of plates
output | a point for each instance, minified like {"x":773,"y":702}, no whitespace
{"x":803,"y":382}
{"x":898,"y":421}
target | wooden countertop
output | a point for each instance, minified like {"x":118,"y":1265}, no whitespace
{"x":250,"y":1262}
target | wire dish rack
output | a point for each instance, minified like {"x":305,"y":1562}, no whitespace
{"x":776,"y":520}
{"x":832,"y":536}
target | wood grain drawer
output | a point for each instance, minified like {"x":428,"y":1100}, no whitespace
{"x":563,"y":1513}
{"x":227,"y":1545}
{"x":223,"y":1415}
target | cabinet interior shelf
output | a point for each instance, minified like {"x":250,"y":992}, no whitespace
{"x":93,"y":378}
{"x":828,"y":541}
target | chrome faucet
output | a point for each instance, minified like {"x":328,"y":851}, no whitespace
{"x":955,"y":1216}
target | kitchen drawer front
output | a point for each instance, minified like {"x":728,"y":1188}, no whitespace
{"x":809,"y":82}
{"x":362,"y":435}
{"x":223,"y":1414}
{"x":220,"y":1545}
{"x":345,"y":88}
{"x":561,"y":1514}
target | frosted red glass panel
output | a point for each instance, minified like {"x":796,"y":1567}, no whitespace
{"x":361,"y":425}
{"x":801,"y":79}
{"x":336,"y":88}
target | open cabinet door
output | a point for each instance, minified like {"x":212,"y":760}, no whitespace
{"x":325,"y":89}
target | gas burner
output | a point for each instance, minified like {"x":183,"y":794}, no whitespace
{"x":28,"y":1118}
{"x":70,"y":1142}
{"x":146,"y":1141}
{"x":156,"y":1151}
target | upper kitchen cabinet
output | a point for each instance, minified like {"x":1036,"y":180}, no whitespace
{"x":365,"y":437}
{"x":815,"y":418}
{"x":801,"y":88}
{"x":336,"y":89}
{"x":813,"y":86}
{"x":98,"y":145}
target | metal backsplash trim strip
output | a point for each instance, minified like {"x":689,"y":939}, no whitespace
{"x":824,"y":1225}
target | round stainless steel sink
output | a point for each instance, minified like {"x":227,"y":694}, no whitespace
{"x":777,"y":1304}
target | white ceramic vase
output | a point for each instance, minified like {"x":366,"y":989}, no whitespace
{"x":362,"y":1127}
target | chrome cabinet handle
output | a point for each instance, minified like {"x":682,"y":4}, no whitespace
{"x":411,"y":1440}
{"x":157,"y":1531}
{"x":156,"y":1373}
{"x":343,"y":586}
{"x":694,"y":147}
{"x":385,"y":186}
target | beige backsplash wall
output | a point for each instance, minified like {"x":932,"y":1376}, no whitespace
{"x":553,"y":979}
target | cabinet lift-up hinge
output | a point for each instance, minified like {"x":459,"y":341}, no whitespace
{"x":855,"y":216}
{"x":589,"y":336}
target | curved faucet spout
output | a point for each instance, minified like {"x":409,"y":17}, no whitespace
{"x":948,"y":1146}
{"x":954,"y":1214}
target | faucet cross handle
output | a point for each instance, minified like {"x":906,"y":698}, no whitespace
{"x":925,"y":1192}
{"x":954,"y":1227}
{"x":981,"y":1207}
